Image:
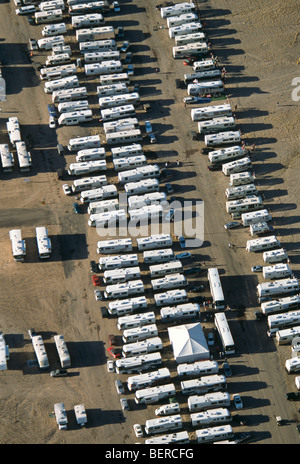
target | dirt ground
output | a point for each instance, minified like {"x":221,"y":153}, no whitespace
{"x":258,"y":43}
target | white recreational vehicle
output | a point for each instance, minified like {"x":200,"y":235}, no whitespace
{"x":190,"y":38}
{"x":170,"y":297}
{"x":57,"y":72}
{"x":261,"y":244}
{"x":180,"y":312}
{"x":210,"y":417}
{"x":140,"y":173}
{"x":235,"y":166}
{"x":40,"y":352}
{"x":48,"y":42}
{"x":136,"y":320}
{"x":281,"y":321}
{"x":240,"y":178}
{"x":99,"y":194}
{"x":75,"y":117}
{"x":125,"y":289}
{"x":61,"y":416}
{"x":131,"y":162}
{"x":260,"y":229}
{"x":205,"y":384}
{"x":24,"y":157}
{"x":138,"y":201}
{"x":120,"y":99}
{"x":98,"y":57}
{"x":209,"y":112}
{"x":184,"y":29}
{"x":216,"y":124}
{"x":120,"y":125}
{"x":140,"y":333}
{"x":90,"y":154}
{"x":105,"y":67}
{"x":79,"y":169}
{"x":58,"y":59}
{"x":18,"y":245}
{"x":127,"y":306}
{"x":7,"y":158}
{"x":241,"y":191}
{"x":163,"y":424}
{"x":280,"y":305}
{"x":145,"y":380}
{"x":88,"y":183}
{"x":275,"y":256}
{"x":287,"y":335}
{"x":64,"y":95}
{"x":179,"y":51}
{"x":68,"y":82}
{"x":173,"y":267}
{"x":95,"y":33}
{"x":124,"y":136}
{"x":13,"y":130}
{"x":208,"y":401}
{"x":201,"y":75}
{"x":277,"y":271}
{"x":226,"y":154}
{"x":67,"y":107}
{"x":206,"y":88}
{"x":115,"y":276}
{"x":110,"y":218}
{"x":43,"y":242}
{"x":142,"y":186}
{"x":204,"y":65}
{"x":169,"y":282}
{"x":117,"y":112}
{"x":43,"y":17}
{"x":150,"y":345}
{"x":250,"y":203}
{"x":176,"y":437}
{"x":62,"y":350}
{"x":154,"y":241}
{"x":113,"y":246}
{"x":223,"y":138}
{"x":118,"y":261}
{"x":85,"y":20}
{"x":138,"y":363}
{"x":214,"y":434}
{"x":158,"y":256}
{"x":116,"y":78}
{"x":177,"y":9}
{"x":256,"y":217}
{"x":146,"y":213}
{"x":292,"y":365}
{"x":98,"y":46}
{"x":51,"y":30}
{"x":198,"y":368}
{"x":111,"y":89}
{"x":51,"y":5}
{"x":83,"y":143}
{"x":103,"y":206}
{"x":278,"y":287}
{"x":181,"y":19}
{"x":155,"y":394}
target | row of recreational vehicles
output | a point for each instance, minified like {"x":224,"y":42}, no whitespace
{"x":7,"y":157}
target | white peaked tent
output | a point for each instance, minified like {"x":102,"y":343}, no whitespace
{"x":189,"y":343}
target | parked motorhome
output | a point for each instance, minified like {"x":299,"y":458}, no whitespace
{"x":116,"y":276}
{"x":281,"y":321}
{"x":24,"y":157}
{"x":241,"y":191}
{"x":111,"y":89}
{"x":158,"y":256}
{"x":163,"y":424}
{"x":115,"y":78}
{"x":7,"y":158}
{"x":58,"y":49}
{"x":57,"y":59}
{"x":292,"y":364}
{"x":117,"y":112}
{"x":181,"y":19}
{"x":176,"y":437}
{"x":169,"y":282}
{"x":261,"y":244}
{"x":250,"y":203}
{"x":57,"y":72}
{"x":136,"y":320}
{"x":278,"y":287}
{"x":95,"y":33}
{"x":85,"y":7}
{"x":82,"y":143}
{"x":119,"y":261}
{"x":75,"y":117}
{"x":113,"y":246}
{"x":40,"y":352}
{"x":208,"y":401}
{"x":206,"y":88}
{"x":154,"y":241}
{"x":145,"y":380}
{"x":146,"y":213}
{"x":51,"y":30}
{"x":51,"y":5}
{"x":256,"y":217}
{"x":198,"y":368}
{"x":79,"y":169}
{"x":155,"y":394}
{"x":89,"y":183}
{"x":138,"y":201}
{"x":65,"y":95}
{"x":190,"y":38}
{"x":203,"y":65}
{"x":209,"y":112}
{"x":275,"y":256}
{"x":184,"y":29}
{"x":142,"y":186}
{"x":120,"y":125}
{"x":223,"y":138}
{"x":198,"y":48}
{"x":164,"y":269}
{"x":140,"y":173}
{"x":280,"y":305}
{"x":112,"y":101}
{"x":110,"y":218}
{"x":98,"y":57}
{"x":61,"y":416}
{"x":277,"y":271}
{"x":98,"y":46}
{"x":240,"y":178}
{"x":170,"y":297}
{"x":48,"y":42}
{"x":235,"y":166}
{"x":105,"y":67}
{"x":287,"y":335}
{"x":131,"y":162}
{"x":167,"y":409}
{"x":211,"y":417}
{"x":226,"y":154}
{"x":90,"y":154}
{"x":150,"y":345}
{"x":138,"y":363}
{"x":260,"y":229}
{"x":205,"y":384}
{"x":124,"y":289}
{"x":18,"y":245}
{"x":216,"y":124}
{"x":61,"y":84}
{"x":177,"y":9}
{"x":199,"y":75}
{"x":127,"y":306}
{"x":62,"y":350}
{"x":42,"y":17}
{"x":140,"y":333}
{"x":86,"y":20}
{"x":180,"y":312}
{"x":69,"y":106}
{"x":214,"y":434}
{"x":13,"y":130}
{"x":99,"y":194}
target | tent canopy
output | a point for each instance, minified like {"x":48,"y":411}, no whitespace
{"x":189,"y":343}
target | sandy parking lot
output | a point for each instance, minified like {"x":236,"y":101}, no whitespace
{"x":258,"y":42}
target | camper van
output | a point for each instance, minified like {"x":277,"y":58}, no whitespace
{"x":170,"y":297}
{"x":198,"y":48}
{"x":209,"y":112}
{"x":240,"y":178}
{"x":85,"y":7}
{"x":113,"y":246}
{"x":65,"y":95}
{"x":280,"y":321}
{"x":214,"y":434}
{"x":215,"y":125}
{"x":158,"y":256}
{"x":88,"y":183}
{"x":240,"y":192}
{"x":286,"y":335}
{"x":142,"y":186}
{"x":120,"y":125}
{"x":277,"y":271}
{"x":278,"y":287}
{"x":95,"y":33}
{"x":211,"y":417}
{"x":127,"y":306}
{"x":116,"y":78}
{"x":24,"y":157}
{"x":149,"y":212}
{"x":180,"y":312}
{"x":256,"y":217}
{"x":82,"y":143}
{"x":239,"y":165}
{"x":223,"y":138}
{"x":118,"y":261}
{"x":123,"y":136}
{"x":13,"y":130}
{"x":226,"y":154}
{"x":275,"y":256}
{"x":99,"y":194}
{"x":206,"y":88}
{"x":51,"y":5}
{"x":62,"y":350}
{"x":154,"y":241}
{"x":204,"y":65}
{"x":264,"y":243}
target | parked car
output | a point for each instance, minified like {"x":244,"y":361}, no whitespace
{"x":120,"y":32}
{"x":98,"y":295}
{"x":119,"y":387}
{"x":52,"y":122}
{"x":104,"y":312}
{"x":227,"y":369}
{"x":94,"y":266}
{"x":170,"y":215}
{"x":256,"y":268}
{"x":125,"y":46}
{"x":112,"y":339}
{"x":77,"y":208}
{"x":116,"y":7}
{"x":67,"y":190}
{"x":197,"y":299}
{"x":32,"y":44}
{"x":96,"y":280}
{"x":210,"y":339}
{"x":114,"y":352}
{"x":110,"y":365}
{"x":60,"y":149}
{"x":190,"y":60}
{"x":138,"y":430}
{"x":182,"y":242}
{"x":237,"y":400}
{"x":214,"y":167}
{"x":59,"y":373}
{"x":31,"y":21}
{"x":179,"y":84}
{"x":232,"y":225}
{"x":148,"y":127}
{"x":124,"y":404}
{"x":130,"y":70}
{"x":128,"y":58}
{"x":169,"y":188}
{"x":241,"y":437}
{"x":152,"y":138}
{"x":190,"y":100}
{"x":136,"y":87}
{"x":184,"y":255}
{"x":198,"y":288}
{"x":193,"y":270}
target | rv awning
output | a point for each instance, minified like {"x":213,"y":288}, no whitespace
{"x":189,"y":343}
